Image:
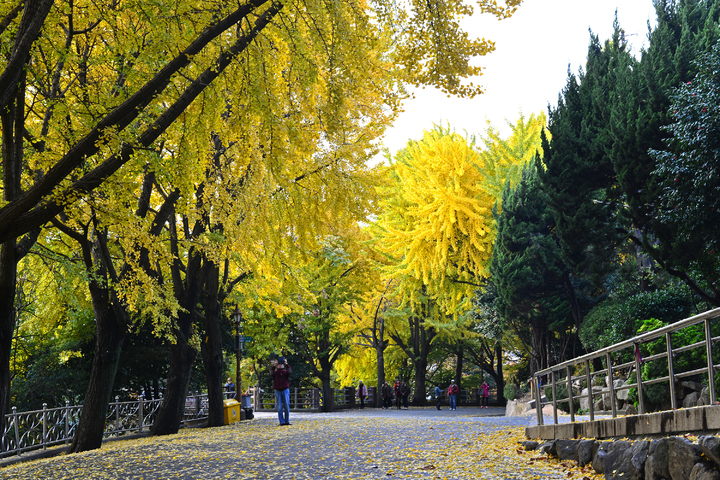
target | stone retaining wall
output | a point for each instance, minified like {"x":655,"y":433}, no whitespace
{"x":676,"y":458}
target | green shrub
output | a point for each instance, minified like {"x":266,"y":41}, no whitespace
{"x":511,"y":392}
{"x":616,"y":320}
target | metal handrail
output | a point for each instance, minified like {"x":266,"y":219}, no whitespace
{"x":605,"y":354}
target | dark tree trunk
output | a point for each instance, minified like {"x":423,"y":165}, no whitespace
{"x":172,"y":408}
{"x":111,"y":323}
{"x":328,"y":399}
{"x":8,"y":277}
{"x":182,"y":355}
{"x":11,"y":117}
{"x":211,"y":347}
{"x":110,"y":333}
{"x":459,"y":366}
{"x":499,"y":378}
{"x":380,"y":355}
{"x":420,"y":372}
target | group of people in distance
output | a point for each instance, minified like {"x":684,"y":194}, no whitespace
{"x":400,"y":390}
{"x":280,"y":372}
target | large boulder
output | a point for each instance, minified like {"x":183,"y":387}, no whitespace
{"x":704,"y":397}
{"x":691,"y":400}
{"x":710,"y":446}
{"x":584,"y":405}
{"x":656,"y":466}
{"x":567,"y":449}
{"x":703,"y":471}
{"x":515,"y":408}
{"x":626,"y":460}
{"x":586,"y":450}
{"x":530,"y":445}
{"x":623,"y":395}
{"x":682,"y":457}
{"x":690,"y":385}
{"x":619,"y":401}
{"x":603,"y":450}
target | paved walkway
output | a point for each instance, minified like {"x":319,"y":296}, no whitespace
{"x":417,"y":443}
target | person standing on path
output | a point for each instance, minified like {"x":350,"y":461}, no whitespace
{"x":387,"y":393}
{"x":398,"y":395}
{"x":485,"y":394}
{"x":438,"y":396}
{"x":362,"y":393}
{"x":453,"y":391}
{"x":404,"y":392}
{"x":280,"y":371}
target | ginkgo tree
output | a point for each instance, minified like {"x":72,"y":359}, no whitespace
{"x":437,"y":227}
{"x":105,"y":80}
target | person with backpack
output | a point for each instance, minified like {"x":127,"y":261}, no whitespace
{"x":438,"y":396}
{"x":453,"y":391}
{"x":484,"y":394}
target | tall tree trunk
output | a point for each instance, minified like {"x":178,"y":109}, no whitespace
{"x":211,"y":346}
{"x":182,"y":355}
{"x":11,"y":118}
{"x":111,"y":328}
{"x":459,"y":366}
{"x":328,"y":399}
{"x":8,"y":278}
{"x":420,"y":365}
{"x":380,"y":355}
{"x":499,"y":379}
{"x":111,"y":324}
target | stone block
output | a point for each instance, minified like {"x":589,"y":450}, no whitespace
{"x":567,"y":449}
{"x":710,"y":446}
{"x":530,"y":445}
{"x":691,"y":400}
{"x":656,"y":466}
{"x":565,"y":430}
{"x":682,"y":457}
{"x":586,"y":450}
{"x":626,"y":460}
{"x":605,"y":428}
{"x":712,"y":417}
{"x":689,"y":420}
{"x":693,"y":386}
{"x":703,"y":471}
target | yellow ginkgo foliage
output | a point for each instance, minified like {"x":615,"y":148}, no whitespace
{"x":436,"y":218}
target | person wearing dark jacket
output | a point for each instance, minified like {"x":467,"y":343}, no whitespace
{"x":404,"y":392}
{"x":280,"y":372}
{"x":387,"y":394}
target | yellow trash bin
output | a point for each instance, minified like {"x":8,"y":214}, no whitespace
{"x":232,"y":411}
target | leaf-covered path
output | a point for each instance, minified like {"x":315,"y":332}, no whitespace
{"x":416,"y":443}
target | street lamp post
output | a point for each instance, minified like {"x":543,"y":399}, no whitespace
{"x":237,"y":316}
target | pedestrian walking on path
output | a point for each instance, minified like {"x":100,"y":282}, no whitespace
{"x":453,"y":391}
{"x":484,"y":394}
{"x":438,"y":396}
{"x":280,"y":371}
{"x":362,"y":393}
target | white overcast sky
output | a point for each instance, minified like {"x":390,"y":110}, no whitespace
{"x":529,"y":66}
